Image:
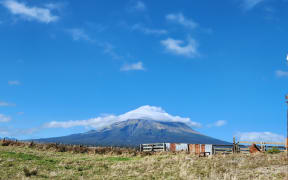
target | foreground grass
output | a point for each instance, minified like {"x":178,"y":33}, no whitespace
{"x":24,"y":162}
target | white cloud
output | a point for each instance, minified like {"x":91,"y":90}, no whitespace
{"x":56,"y":6}
{"x":4,"y":118}
{"x":4,"y":132}
{"x":145,"y":30}
{"x":136,"y":5}
{"x":145,"y":112}
{"x":14,"y":83}
{"x":260,"y":136}
{"x":135,"y":66}
{"x":178,"y":47}
{"x":79,"y":34}
{"x":30,"y":13}
{"x":219,"y":123}
{"x":110,"y":50}
{"x":12,"y":132}
{"x":250,"y":4}
{"x":182,"y":20}
{"x":2,"y":103}
{"x":281,"y":73}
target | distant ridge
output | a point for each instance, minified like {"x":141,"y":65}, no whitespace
{"x":137,"y":131}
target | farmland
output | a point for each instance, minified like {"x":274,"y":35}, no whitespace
{"x":24,"y":160}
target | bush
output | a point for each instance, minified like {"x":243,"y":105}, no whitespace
{"x":62,"y":148}
{"x":32,"y":144}
{"x":100,"y":151}
{"x":274,"y":150}
{"x":80,"y":149}
{"x":6,"y":143}
{"x":51,"y":146}
{"x":30,"y":173}
{"x":11,"y":143}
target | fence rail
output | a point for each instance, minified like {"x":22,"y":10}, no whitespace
{"x":239,"y":147}
{"x":244,"y":147}
{"x":153,"y":147}
{"x":271,"y":143}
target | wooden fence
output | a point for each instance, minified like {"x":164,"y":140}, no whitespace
{"x":244,"y":147}
{"x":239,"y":147}
{"x":198,"y":149}
{"x":265,"y":146}
{"x":153,"y":147}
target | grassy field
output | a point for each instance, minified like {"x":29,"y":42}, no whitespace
{"x":44,"y":162}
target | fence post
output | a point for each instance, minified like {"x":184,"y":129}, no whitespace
{"x":287,"y":145}
{"x":234,"y":146}
{"x":262,"y":146}
{"x":238,"y":147}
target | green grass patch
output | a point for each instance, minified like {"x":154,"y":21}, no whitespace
{"x":48,"y":162}
{"x":20,"y":156}
{"x":113,"y":159}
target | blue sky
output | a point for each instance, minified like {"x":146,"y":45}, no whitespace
{"x":71,"y":66}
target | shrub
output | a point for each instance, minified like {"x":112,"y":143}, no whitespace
{"x":30,"y":173}
{"x":62,"y":148}
{"x":32,"y":144}
{"x":51,"y":146}
{"x":6,"y":143}
{"x":100,"y":151}
{"x":80,"y":149}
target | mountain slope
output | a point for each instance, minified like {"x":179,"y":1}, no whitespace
{"x":137,"y":131}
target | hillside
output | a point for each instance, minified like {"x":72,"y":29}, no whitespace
{"x":137,"y":131}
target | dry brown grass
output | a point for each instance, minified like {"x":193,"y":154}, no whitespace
{"x":72,"y":162}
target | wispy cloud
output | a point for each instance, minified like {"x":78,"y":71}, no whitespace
{"x":55,"y":6}
{"x":250,"y":4}
{"x":79,"y":34}
{"x":3,"y":104}
{"x":219,"y":123}
{"x":179,"y":47}
{"x":260,"y":136}
{"x":13,"y":132}
{"x":146,"y":30}
{"x":109,"y":49}
{"x":136,"y":6}
{"x":4,"y":118}
{"x":39,"y":14}
{"x":133,"y":67}
{"x":144,"y":112}
{"x":280,"y":73}
{"x":14,"y":83}
{"x":182,"y":20}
